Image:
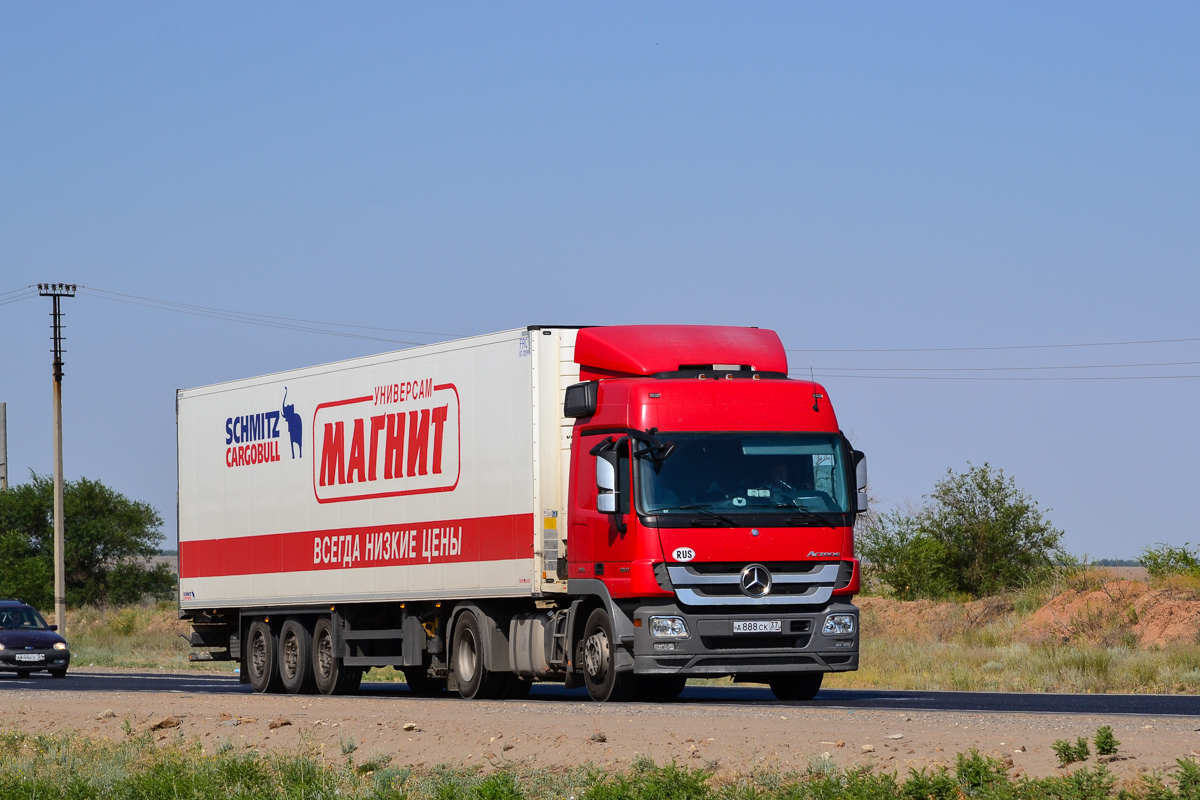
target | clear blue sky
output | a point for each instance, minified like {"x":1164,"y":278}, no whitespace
{"x":855,"y":176}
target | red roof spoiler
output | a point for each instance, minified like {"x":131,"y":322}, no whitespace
{"x":649,"y":349}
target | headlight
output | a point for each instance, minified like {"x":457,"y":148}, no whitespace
{"x":668,"y":628}
{"x":838,"y":625}
{"x":60,"y":645}
{"x":1,"y":645}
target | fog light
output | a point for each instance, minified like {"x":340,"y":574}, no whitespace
{"x":844,"y":643}
{"x":838,"y":625}
{"x":661,"y":646}
{"x":668,"y":628}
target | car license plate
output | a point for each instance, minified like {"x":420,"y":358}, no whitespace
{"x":758,"y":626}
{"x":29,"y":656}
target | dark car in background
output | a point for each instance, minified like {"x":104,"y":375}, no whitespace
{"x":28,"y":644}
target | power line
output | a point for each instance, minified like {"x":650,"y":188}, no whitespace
{"x":235,"y":316}
{"x":1014,"y":369}
{"x":1001,"y":347}
{"x":15,"y":291}
{"x":253,"y":315}
{"x":18,"y":299}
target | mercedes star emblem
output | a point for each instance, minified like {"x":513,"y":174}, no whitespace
{"x":756,"y":581}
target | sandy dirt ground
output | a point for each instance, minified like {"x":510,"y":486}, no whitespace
{"x":730,"y":739}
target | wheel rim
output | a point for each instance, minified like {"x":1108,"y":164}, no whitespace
{"x":466,"y":657}
{"x":291,"y":655}
{"x":325,"y":654}
{"x":595,"y":656}
{"x":258,"y":655}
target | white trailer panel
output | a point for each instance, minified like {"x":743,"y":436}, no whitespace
{"x":434,"y":472}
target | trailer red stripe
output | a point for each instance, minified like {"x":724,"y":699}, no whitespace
{"x":439,"y":542}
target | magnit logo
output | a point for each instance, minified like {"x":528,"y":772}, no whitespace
{"x":402,"y":439}
{"x":254,"y":438}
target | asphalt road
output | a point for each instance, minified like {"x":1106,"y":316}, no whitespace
{"x":865,"y":699}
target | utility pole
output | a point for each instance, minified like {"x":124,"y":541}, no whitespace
{"x":57,"y":291}
{"x":3,"y":447}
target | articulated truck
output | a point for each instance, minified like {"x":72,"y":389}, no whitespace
{"x":620,"y":508}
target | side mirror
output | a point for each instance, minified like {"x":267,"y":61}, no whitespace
{"x":581,"y":399}
{"x":52,"y":627}
{"x":860,"y":478}
{"x":606,"y":482}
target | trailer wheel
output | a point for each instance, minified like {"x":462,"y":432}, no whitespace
{"x":329,"y":673}
{"x":475,"y":680}
{"x":803,"y":686}
{"x":295,"y":658}
{"x":604,"y":683}
{"x":261,"y":659}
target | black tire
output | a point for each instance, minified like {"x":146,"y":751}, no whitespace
{"x":517,"y":689}
{"x":350,"y":679}
{"x":420,"y":684}
{"x":330,"y":675}
{"x":604,"y":683}
{"x":261,"y":659}
{"x":802,"y":686}
{"x":58,"y":673}
{"x":469,"y":658}
{"x":295,"y":658}
{"x":659,"y":688}
{"x":22,"y":674}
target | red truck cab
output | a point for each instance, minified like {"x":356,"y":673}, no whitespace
{"x":712,"y":504}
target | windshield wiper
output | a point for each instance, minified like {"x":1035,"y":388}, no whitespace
{"x":810,"y":515}
{"x":702,"y":509}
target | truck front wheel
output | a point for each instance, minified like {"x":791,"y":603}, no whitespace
{"x":261,"y":659}
{"x":604,"y":683}
{"x":329,"y":673}
{"x":803,"y":686}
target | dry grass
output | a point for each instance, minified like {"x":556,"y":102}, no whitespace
{"x":1085,"y":632}
{"x":147,"y":635}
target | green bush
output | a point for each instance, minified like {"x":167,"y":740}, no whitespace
{"x":107,"y":537}
{"x":978,"y":535}
{"x":1070,"y":753}
{"x":1106,"y":743}
{"x":1163,"y":560}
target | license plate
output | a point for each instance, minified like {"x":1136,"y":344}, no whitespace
{"x":758,"y":626}
{"x":29,"y":656}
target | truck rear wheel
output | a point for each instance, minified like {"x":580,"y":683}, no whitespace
{"x":604,"y":683}
{"x":295,"y":658}
{"x":330,"y":675}
{"x":475,"y":680}
{"x":803,"y":686}
{"x":261,"y":658}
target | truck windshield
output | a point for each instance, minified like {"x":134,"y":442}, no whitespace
{"x":734,"y":473}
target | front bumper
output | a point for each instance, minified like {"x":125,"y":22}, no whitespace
{"x":712,"y":649}
{"x":48,"y":658}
